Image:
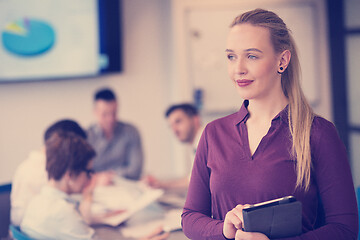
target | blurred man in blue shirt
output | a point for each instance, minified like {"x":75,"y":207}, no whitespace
{"x":117,"y":144}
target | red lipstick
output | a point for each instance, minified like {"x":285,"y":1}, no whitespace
{"x":243,"y":82}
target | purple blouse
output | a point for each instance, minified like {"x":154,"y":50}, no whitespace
{"x":225,"y":174}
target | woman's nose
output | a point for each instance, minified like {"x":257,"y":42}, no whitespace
{"x":240,"y":67}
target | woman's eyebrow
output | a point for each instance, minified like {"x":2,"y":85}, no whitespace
{"x":253,"y":49}
{"x":246,"y":50}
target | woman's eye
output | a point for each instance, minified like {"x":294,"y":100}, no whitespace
{"x":252,"y":56}
{"x":231,"y":57}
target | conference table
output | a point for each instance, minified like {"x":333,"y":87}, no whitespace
{"x":113,"y":233}
{"x":169,"y":202}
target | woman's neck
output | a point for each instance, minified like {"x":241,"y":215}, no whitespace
{"x":266,"y":110}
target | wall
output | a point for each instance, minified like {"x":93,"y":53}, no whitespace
{"x":154,"y":76}
{"x":28,"y":108}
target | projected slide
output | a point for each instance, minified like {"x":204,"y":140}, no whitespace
{"x":28,"y":37}
{"x":48,"y":39}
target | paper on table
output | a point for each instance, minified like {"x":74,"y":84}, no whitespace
{"x":171,"y":222}
{"x":125,"y":195}
{"x":174,"y":200}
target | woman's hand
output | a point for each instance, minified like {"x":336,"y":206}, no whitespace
{"x":233,"y":225}
{"x":233,"y":221}
{"x":151,"y":181}
{"x":105,"y":178}
{"x":241,"y":235}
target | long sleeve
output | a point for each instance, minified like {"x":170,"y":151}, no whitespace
{"x":334,"y":181}
{"x":196,"y":218}
{"x":225,"y":174}
{"x":134,"y":158}
{"x":29,"y":178}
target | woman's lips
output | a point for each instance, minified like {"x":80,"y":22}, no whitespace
{"x":244,"y":82}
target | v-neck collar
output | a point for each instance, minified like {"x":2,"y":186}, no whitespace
{"x":240,"y":123}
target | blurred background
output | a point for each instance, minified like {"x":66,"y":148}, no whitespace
{"x":154,"y":53}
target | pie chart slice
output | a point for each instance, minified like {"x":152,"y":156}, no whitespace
{"x":28,"y":37}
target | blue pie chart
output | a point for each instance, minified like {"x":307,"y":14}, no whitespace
{"x":28,"y":37}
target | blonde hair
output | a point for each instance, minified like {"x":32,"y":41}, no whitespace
{"x":300,"y":113}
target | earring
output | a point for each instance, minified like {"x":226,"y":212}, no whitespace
{"x":281,"y":68}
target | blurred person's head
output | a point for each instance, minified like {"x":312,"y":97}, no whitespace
{"x":64,"y":125}
{"x":184,"y":120}
{"x":69,"y":160}
{"x":105,"y":109}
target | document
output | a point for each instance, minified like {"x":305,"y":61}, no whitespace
{"x":170,"y":222}
{"x":131,"y":196}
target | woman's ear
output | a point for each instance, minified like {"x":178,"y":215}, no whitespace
{"x":285,"y":57}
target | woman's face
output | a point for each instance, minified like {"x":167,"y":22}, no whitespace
{"x":253,"y":63}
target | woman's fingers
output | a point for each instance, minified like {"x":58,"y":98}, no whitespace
{"x":233,"y":221}
{"x":241,"y":235}
{"x":233,"y":218}
{"x":239,"y":209}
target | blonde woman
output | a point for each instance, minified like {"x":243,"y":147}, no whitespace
{"x":274,"y":146}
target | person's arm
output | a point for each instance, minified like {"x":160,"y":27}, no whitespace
{"x":26,"y":184}
{"x":86,"y":203}
{"x":180,"y":184}
{"x":21,"y":192}
{"x":157,"y":234}
{"x":334,"y":180}
{"x":72,"y":226}
{"x":196,"y":218}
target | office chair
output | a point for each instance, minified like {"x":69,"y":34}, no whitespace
{"x":18,"y":234}
{"x":4,"y":210}
{"x":358,"y":201}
